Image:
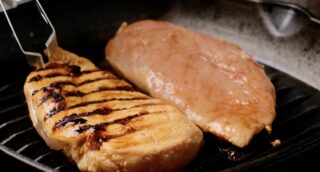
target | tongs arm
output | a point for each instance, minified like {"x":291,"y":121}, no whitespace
{"x":34,"y":59}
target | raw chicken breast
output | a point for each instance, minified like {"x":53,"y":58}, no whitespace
{"x":215,"y":83}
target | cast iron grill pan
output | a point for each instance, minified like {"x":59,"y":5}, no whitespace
{"x":297,"y":125}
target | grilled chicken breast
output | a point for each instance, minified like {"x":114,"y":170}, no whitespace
{"x":218,"y":86}
{"x":102,"y":123}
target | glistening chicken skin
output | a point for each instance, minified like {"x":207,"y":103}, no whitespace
{"x":215,"y":83}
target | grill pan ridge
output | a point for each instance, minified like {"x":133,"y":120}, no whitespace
{"x":297,"y":104}
{"x":297,"y":123}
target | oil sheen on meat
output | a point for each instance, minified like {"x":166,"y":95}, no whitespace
{"x":103,"y":124}
{"x":215,"y":83}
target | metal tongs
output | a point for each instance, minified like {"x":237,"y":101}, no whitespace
{"x":35,"y":59}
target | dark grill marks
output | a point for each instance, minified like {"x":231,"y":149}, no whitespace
{"x":70,"y":120}
{"x":35,"y":78}
{"x":79,"y":121}
{"x":75,"y":94}
{"x":120,"y":88}
{"x":59,"y":84}
{"x":55,"y":74}
{"x":74,"y":70}
{"x":51,"y":94}
{"x":117,"y":88}
{"x":72,"y":73}
{"x":105,"y":100}
{"x":122,"y":121}
{"x":48,"y":90}
{"x":89,"y":71}
{"x":96,"y":139}
{"x":56,"y":96}
{"x":56,"y":85}
{"x":50,"y":75}
{"x":34,"y":92}
{"x":54,"y":91}
{"x":60,"y":107}
{"x":102,"y":111}
{"x":66,"y":119}
{"x":94,"y":80}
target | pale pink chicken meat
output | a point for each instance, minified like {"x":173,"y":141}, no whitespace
{"x":215,"y":83}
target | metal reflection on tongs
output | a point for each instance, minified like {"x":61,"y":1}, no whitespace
{"x":34,"y":59}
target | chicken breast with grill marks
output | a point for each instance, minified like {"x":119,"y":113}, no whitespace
{"x":215,"y":83}
{"x":102,"y":123}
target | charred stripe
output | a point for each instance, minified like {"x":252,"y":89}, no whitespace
{"x":35,"y":78}
{"x":60,"y":107}
{"x":55,"y":74}
{"x":105,"y":100}
{"x":96,"y":138}
{"x":56,"y":96}
{"x":102,"y":111}
{"x":95,"y":80}
{"x":56,"y":85}
{"x":81,"y":94}
{"x":72,"y":73}
{"x":102,"y":126}
{"x":67,"y":119}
